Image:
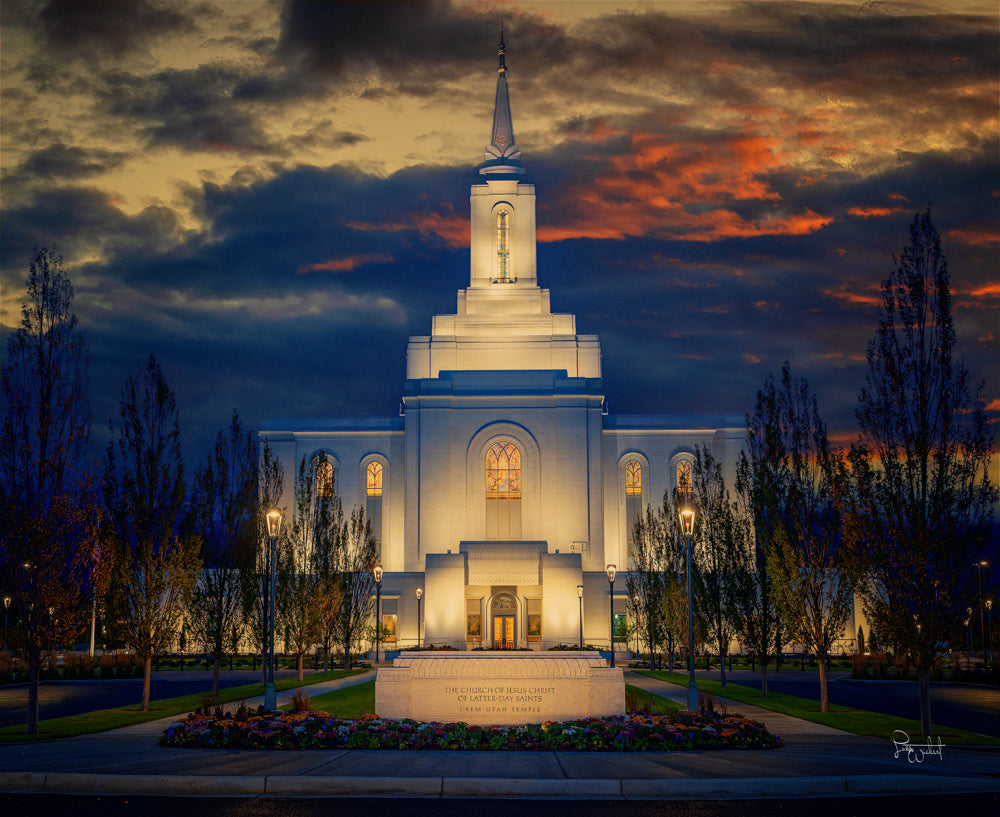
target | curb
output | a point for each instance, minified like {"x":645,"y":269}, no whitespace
{"x":292,"y":786}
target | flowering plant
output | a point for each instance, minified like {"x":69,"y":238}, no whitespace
{"x":636,"y":732}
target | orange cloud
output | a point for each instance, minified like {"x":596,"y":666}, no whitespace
{"x":343,"y":264}
{"x":974,"y":236}
{"x":853,"y":297}
{"x":994,"y":405}
{"x":681,"y":190}
{"x":874,"y":212}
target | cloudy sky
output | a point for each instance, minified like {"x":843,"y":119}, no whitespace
{"x":271,"y":197}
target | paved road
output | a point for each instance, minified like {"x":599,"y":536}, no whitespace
{"x":973,"y":708}
{"x":60,"y":698}
{"x":133,"y":806}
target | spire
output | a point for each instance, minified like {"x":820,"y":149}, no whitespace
{"x":502,"y":154}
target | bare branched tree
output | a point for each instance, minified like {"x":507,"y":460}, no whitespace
{"x":921,"y":508}
{"x":49,"y":556}
{"x":155,"y":548}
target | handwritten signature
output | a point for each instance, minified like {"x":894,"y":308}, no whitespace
{"x":915,"y":753}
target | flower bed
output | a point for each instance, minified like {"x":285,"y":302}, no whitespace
{"x":637,"y":732}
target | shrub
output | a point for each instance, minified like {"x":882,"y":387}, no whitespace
{"x":860,"y":665}
{"x":300,"y":701}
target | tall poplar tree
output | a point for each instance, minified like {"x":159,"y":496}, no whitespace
{"x":715,"y":554}
{"x":49,"y":556}
{"x":812,"y":568}
{"x":922,"y":500}
{"x":155,"y":548}
{"x":224,"y":503}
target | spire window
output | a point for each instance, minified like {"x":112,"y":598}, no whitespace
{"x":503,"y":247}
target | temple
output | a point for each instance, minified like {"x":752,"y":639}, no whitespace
{"x":504,"y":488}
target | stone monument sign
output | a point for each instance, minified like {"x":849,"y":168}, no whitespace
{"x":499,"y":688}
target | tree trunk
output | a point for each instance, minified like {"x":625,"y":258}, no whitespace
{"x":763,"y":678}
{"x":34,"y":669}
{"x":215,"y":676}
{"x":924,"y":682}
{"x":347,"y":656}
{"x":824,"y":697}
{"x":722,"y":662}
{"x":147,"y":669}
{"x":300,"y":665}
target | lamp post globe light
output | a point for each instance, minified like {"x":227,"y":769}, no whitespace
{"x":611,"y":607}
{"x":420,"y":595}
{"x":579,"y":595}
{"x":273,"y":529}
{"x":377,"y":570}
{"x":687,"y":527}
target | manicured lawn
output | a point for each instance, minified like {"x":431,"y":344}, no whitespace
{"x":104,"y":719}
{"x":857,"y":721}
{"x":350,"y":702}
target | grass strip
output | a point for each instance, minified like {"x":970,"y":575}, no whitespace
{"x":101,"y":720}
{"x":856,"y":721}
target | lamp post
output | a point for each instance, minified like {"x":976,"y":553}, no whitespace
{"x":378,"y":606}
{"x":579,"y":595}
{"x":982,"y":627}
{"x":611,"y":607}
{"x":420,"y":595}
{"x":989,"y":625}
{"x":273,"y":529}
{"x":6,"y":607}
{"x":687,"y":526}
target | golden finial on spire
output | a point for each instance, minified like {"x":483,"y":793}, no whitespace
{"x":500,"y":52}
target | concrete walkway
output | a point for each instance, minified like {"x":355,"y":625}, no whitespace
{"x":778,"y":724}
{"x":812,"y":763}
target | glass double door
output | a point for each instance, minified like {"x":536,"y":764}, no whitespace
{"x":503,"y":632}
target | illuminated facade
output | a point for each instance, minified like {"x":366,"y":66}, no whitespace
{"x":504,"y":485}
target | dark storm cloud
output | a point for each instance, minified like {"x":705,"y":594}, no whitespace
{"x":107,"y":28}
{"x":407,"y":39}
{"x":197,"y":109}
{"x":83,"y":221}
{"x":62,"y":161}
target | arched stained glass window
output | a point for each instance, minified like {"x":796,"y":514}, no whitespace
{"x":503,"y":472}
{"x":324,"y":479}
{"x":503,"y":491}
{"x":373,"y":502}
{"x":684,"y":482}
{"x":633,"y":478}
{"x":374,"y":480}
{"x":503,"y":246}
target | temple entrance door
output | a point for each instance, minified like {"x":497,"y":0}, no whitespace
{"x":503,"y":632}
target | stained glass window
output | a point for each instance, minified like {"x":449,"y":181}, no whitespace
{"x":374,"y":479}
{"x":503,"y":472}
{"x":503,"y":246}
{"x":633,"y":478}
{"x":684,"y":475}
{"x":324,"y":480}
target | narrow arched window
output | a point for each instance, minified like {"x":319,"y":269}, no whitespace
{"x":503,"y":491}
{"x":324,"y":480}
{"x":373,"y":502}
{"x":503,"y":246}
{"x":633,"y":505}
{"x":684,"y":482}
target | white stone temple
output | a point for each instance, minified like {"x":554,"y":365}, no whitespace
{"x":504,"y":485}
